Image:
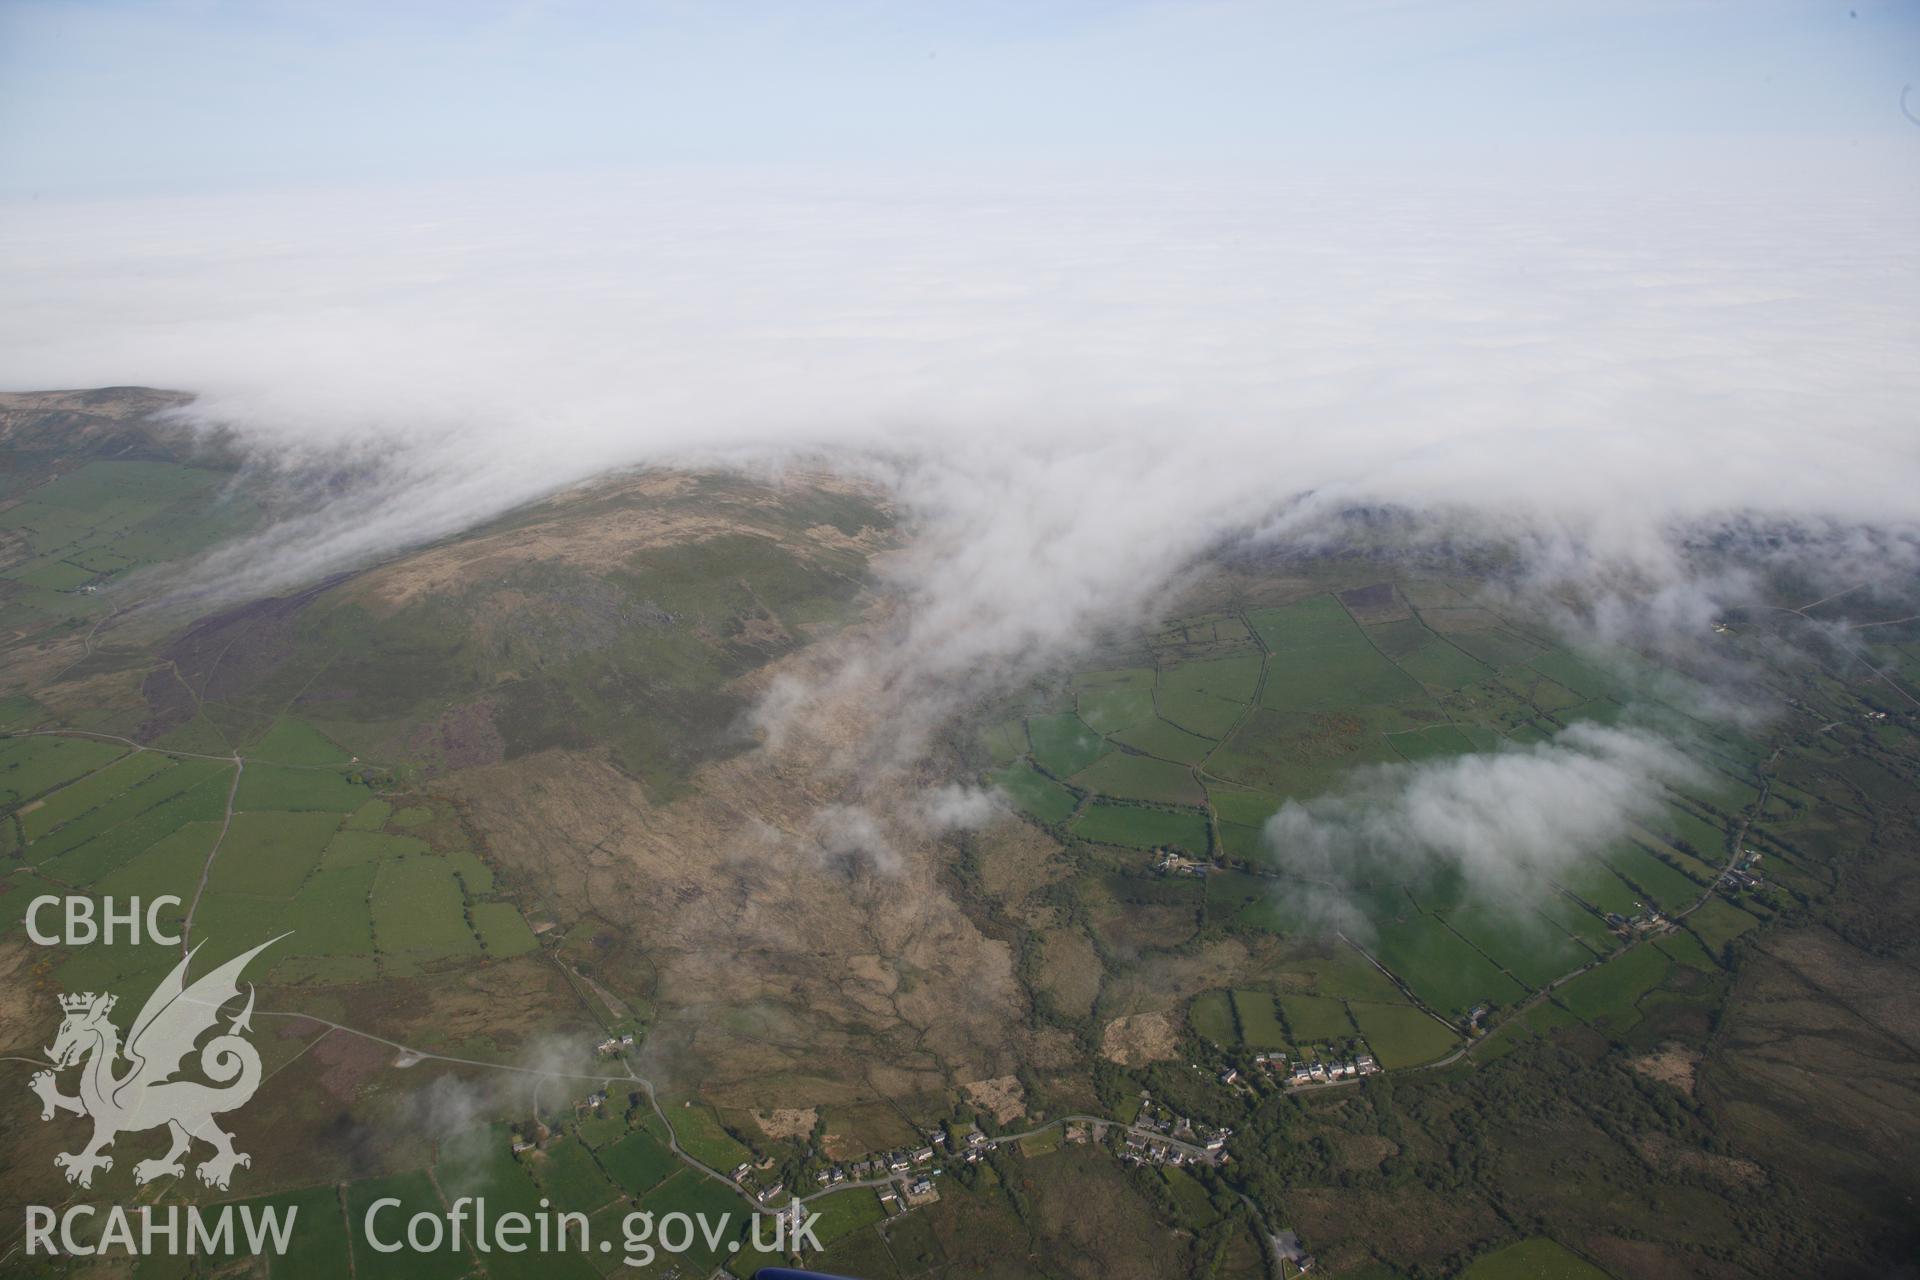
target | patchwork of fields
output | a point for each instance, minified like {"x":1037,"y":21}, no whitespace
{"x":97,"y":523}
{"x":1226,"y":717}
{"x":604,"y":1163}
{"x":289,"y":842}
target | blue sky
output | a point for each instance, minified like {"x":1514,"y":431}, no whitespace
{"x":1593,"y":277}
{"x":164,"y":96}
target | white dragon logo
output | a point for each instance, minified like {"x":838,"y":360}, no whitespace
{"x":146,"y":1096}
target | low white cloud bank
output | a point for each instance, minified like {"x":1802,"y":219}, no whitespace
{"x":1600,"y":357}
{"x":1075,"y":388}
{"x":1509,"y":820}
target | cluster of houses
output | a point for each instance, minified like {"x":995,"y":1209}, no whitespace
{"x":904,"y":1161}
{"x":909,"y":1171}
{"x":898,"y":1197}
{"x":1648,"y":921}
{"x":1746,"y":873}
{"x":1325,"y":1067}
{"x":1172,"y":863}
{"x":767,"y":1196}
{"x":1327,"y":1070}
{"x":1144,"y":1138}
{"x":612,"y":1046}
{"x":1138,"y":1148}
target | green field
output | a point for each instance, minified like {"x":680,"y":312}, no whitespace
{"x":1669,"y":889}
{"x":502,"y":929}
{"x":845,"y":1212}
{"x":1608,"y":995}
{"x":131,"y":806}
{"x":1440,"y":665}
{"x":1312,"y":1018}
{"x":1321,"y":660}
{"x":572,"y":1178}
{"x":480,"y":1164}
{"x":700,"y":1133}
{"x":292,"y":741}
{"x":1719,"y":922}
{"x":1524,"y":943}
{"x":267,"y":786}
{"x":694,"y":1194}
{"x":1446,"y":972}
{"x":1540,"y":1259}
{"x":1685,"y":948}
{"x":1299,"y":754}
{"x":1586,"y":927}
{"x":321,"y":1235}
{"x":120,"y":838}
{"x":639,"y":1162}
{"x":1211,"y":1015}
{"x":351,"y":848}
{"x":1259,"y":1028}
{"x":1691,"y":833}
{"x":1063,"y":745}
{"x":370,"y":816}
{"x":1035,"y":794}
{"x":1158,"y":738}
{"x":1005,"y":742}
{"x":1198,"y":713}
{"x":97,"y":788}
{"x":1231,"y":680}
{"x":1246,"y":808}
{"x":1437,"y":742}
{"x":1401,"y":1035}
{"x":416,"y":1194}
{"x":1140,"y":828}
{"x":1594,"y":883}
{"x":1275,"y":904}
{"x":101,"y":521}
{"x":1241,"y":842}
{"x":1111,"y":708}
{"x":270,"y":854}
{"x":418,"y":910}
{"x":1131,"y":777}
{"x":1575,"y":673}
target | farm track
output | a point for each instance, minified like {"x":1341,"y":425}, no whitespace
{"x":206,"y":868}
{"x":180,"y":755}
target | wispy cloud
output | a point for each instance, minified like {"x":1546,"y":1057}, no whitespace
{"x":1509,"y":821}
